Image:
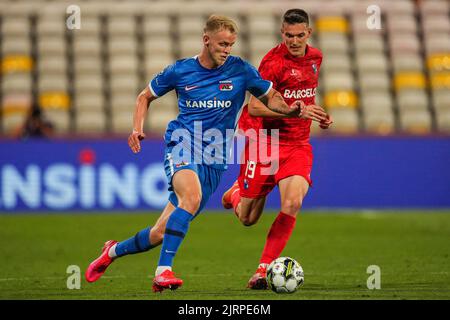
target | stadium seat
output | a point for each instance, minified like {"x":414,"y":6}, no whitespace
{"x":260,"y":45}
{"x":333,"y":24}
{"x":123,"y":101}
{"x":154,"y":65}
{"x":19,"y":82}
{"x":371,"y":43}
{"x":439,"y":62}
{"x":336,"y":62}
{"x":84,"y":65}
{"x":437,"y":23}
{"x":440,"y":80}
{"x":51,"y":45}
{"x":121,"y":26}
{"x":405,"y":23}
{"x":88,"y":102}
{"x":158,"y":45}
{"x":127,"y":82}
{"x":407,"y":62}
{"x":90,"y":26}
{"x":123,"y":64}
{"x":16,"y":26}
{"x":333,"y":43}
{"x":443,"y":120}
{"x":15,"y":45}
{"x":189,"y":45}
{"x":345,"y":121}
{"x":157,"y":25}
{"x":88,"y":122}
{"x":16,"y":63}
{"x":434,"y":6}
{"x":412,"y":99}
{"x":415,"y":122}
{"x":367,"y":62}
{"x":341,"y":99}
{"x":374,"y":81}
{"x":382,"y":123}
{"x":52,"y":65}
{"x":441,"y":99}
{"x":409,"y":80}
{"x":338,"y":81}
{"x":51,"y":24}
{"x":55,"y":107}
{"x":378,"y":102}
{"x":12,"y":119}
{"x":400,"y":43}
{"x":122,"y":121}
{"x":87,"y":45}
{"x":122,"y":45}
{"x":265,"y":25}
{"x":437,"y":43}
{"x":88,"y":83}
{"x":191,"y":25}
{"x":52,"y":82}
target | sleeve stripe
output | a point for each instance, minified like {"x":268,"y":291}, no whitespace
{"x":267,"y":91}
{"x":151,"y":90}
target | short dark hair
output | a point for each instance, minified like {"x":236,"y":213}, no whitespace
{"x":294,"y":16}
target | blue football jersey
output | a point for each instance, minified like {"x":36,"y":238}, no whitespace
{"x":210,"y":102}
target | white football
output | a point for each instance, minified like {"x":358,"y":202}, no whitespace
{"x":285,"y":275}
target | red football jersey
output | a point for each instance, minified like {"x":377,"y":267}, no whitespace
{"x":296,"y":78}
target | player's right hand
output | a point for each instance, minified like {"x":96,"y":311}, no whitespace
{"x":314,"y":112}
{"x":134,"y":141}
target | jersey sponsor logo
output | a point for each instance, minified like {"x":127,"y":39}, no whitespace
{"x":297,"y":94}
{"x":189,"y":88}
{"x":208,"y":104}
{"x":225,"y":87}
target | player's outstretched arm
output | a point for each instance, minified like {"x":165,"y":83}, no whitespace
{"x":275,"y":102}
{"x":257,"y":109}
{"x":140,"y":112}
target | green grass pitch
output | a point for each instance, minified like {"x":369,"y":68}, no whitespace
{"x":219,"y":255}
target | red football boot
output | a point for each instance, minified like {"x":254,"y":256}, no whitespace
{"x":98,"y":267}
{"x":166,"y":280}
{"x":226,"y":198}
{"x":258,"y":281}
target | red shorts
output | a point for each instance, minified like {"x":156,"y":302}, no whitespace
{"x":258,"y":177}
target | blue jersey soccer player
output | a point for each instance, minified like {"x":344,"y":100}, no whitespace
{"x":211,"y":91}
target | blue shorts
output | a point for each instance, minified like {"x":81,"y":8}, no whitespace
{"x":209,"y":178}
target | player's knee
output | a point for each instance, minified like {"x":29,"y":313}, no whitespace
{"x":291,"y":206}
{"x":190,"y":203}
{"x":246,"y":221}
{"x":157,"y":235}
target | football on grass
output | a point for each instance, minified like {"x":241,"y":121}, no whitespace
{"x":284,"y":275}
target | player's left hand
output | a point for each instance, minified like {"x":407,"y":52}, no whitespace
{"x":327,"y":123}
{"x":134,"y":141}
{"x":313,"y":112}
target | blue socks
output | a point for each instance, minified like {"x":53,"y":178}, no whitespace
{"x":139,"y":243}
{"x":176,"y":228}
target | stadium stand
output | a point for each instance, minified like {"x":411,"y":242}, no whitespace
{"x":395,"y":79}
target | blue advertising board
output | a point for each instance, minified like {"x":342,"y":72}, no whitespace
{"x":104,"y":175}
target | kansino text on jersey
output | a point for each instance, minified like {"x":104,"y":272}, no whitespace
{"x":208,"y":104}
{"x":297,"y":94}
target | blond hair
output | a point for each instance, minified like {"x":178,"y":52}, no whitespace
{"x":217,"y":23}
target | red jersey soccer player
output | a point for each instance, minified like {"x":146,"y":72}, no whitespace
{"x":293,"y":67}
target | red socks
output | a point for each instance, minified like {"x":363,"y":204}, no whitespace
{"x":278,"y":236}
